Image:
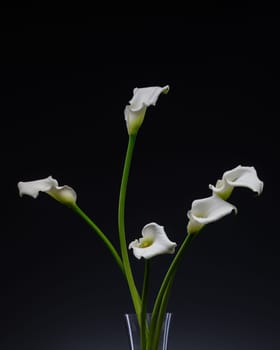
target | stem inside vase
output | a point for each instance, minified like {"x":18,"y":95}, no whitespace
{"x":133,"y":331}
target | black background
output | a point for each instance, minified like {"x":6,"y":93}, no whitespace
{"x":65,"y":81}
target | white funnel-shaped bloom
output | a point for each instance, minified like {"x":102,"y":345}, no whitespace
{"x":207,"y":210}
{"x":142,"y":98}
{"x":154,"y":242}
{"x":241,"y":176}
{"x":64,"y":194}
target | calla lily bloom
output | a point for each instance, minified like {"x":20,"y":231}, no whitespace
{"x":154,"y":242}
{"x":241,"y":176}
{"x":142,"y":98}
{"x":207,"y":210}
{"x":64,"y":194}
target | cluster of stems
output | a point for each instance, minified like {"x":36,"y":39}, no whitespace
{"x":149,"y":332}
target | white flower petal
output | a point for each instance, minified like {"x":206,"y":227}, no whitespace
{"x":154,"y":242}
{"x":32,"y":188}
{"x":207,"y":210}
{"x":134,"y":119}
{"x":142,"y":98}
{"x":240,"y":176}
{"x":244,"y":176}
{"x":64,"y":194}
{"x":146,"y":96}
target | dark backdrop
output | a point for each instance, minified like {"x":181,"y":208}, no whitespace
{"x":64,"y":84}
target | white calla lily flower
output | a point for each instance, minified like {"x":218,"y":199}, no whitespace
{"x":154,"y":242}
{"x":240,"y":176}
{"x":64,"y":194}
{"x":207,"y":210}
{"x":142,"y":98}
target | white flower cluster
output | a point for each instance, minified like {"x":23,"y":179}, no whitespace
{"x":154,"y":240}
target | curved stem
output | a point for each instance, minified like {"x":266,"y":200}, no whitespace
{"x":104,"y":238}
{"x":121,"y":224}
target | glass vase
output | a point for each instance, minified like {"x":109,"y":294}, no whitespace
{"x":133,"y":331}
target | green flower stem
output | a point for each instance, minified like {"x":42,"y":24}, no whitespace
{"x":145,"y":288}
{"x":162,"y":295}
{"x":104,"y":238}
{"x":154,"y":341}
{"x":121,"y":224}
